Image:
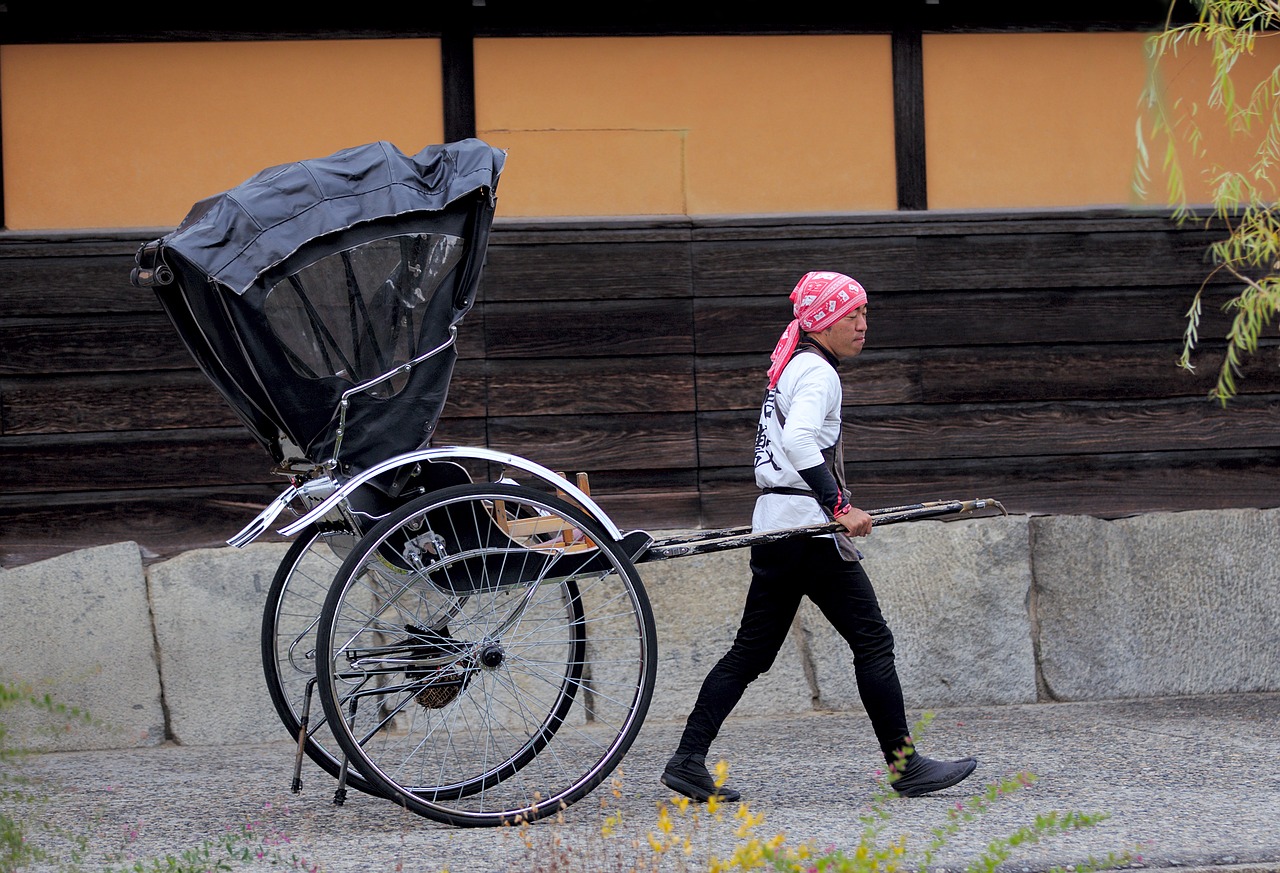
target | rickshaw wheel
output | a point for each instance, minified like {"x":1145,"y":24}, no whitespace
{"x":532,"y":625}
{"x":289,"y":621}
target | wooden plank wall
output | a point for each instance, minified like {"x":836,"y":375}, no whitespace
{"x":1027,"y":357}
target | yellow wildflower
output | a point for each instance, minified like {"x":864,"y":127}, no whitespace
{"x":611,"y":822}
{"x":664,"y":821}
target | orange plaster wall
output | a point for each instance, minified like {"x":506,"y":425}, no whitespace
{"x":689,"y":125}
{"x":1034,"y":120}
{"x":133,"y":135}
{"x":103,"y":136}
{"x":1187,"y":78}
{"x":1022,"y":120}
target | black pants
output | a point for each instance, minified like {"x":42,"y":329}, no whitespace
{"x":782,"y":573}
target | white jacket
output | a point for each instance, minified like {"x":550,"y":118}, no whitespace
{"x":809,"y":397}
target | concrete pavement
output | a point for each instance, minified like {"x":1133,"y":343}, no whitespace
{"x":1189,"y":782}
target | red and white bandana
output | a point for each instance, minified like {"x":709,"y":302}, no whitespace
{"x":819,"y":300}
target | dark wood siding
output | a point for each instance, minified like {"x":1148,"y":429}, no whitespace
{"x":1027,"y":357}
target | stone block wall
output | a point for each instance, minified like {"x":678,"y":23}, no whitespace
{"x":990,"y":611}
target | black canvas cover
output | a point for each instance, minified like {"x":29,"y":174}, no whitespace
{"x":330,"y":277}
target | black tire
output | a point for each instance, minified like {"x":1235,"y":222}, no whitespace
{"x":480,"y":676}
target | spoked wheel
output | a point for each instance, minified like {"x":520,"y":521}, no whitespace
{"x":486,"y":655}
{"x":289,"y":622}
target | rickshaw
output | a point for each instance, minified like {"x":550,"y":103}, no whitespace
{"x":483,"y":648}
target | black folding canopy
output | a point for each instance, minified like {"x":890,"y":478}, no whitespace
{"x":327,"y":278}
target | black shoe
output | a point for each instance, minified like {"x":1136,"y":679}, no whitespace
{"x":925,"y":775}
{"x":688,"y":775}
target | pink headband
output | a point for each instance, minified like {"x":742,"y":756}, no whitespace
{"x":819,"y":300}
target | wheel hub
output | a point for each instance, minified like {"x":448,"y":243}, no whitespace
{"x":492,"y":655}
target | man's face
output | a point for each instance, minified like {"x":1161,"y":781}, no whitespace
{"x":845,"y":338}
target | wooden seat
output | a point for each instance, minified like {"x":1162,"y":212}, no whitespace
{"x":546,"y":532}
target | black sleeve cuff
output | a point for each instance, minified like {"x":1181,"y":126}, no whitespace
{"x":823,"y":484}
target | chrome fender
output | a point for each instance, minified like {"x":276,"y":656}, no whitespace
{"x":315,"y":489}
{"x":444,"y":453}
